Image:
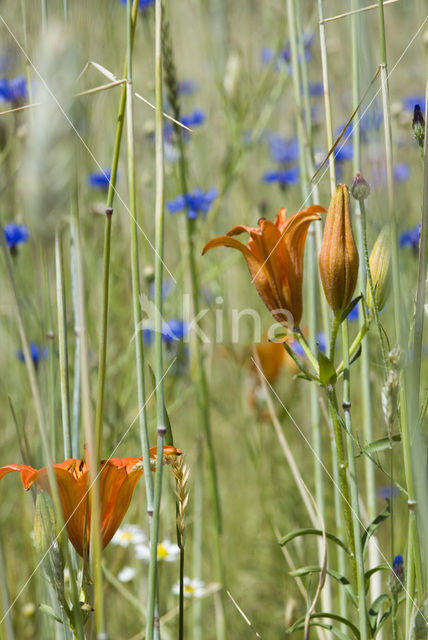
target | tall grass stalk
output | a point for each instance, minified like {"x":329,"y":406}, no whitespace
{"x":366,"y":396}
{"x":6,"y":628}
{"x":406,"y":435}
{"x":359,"y":560}
{"x":198,"y":362}
{"x":76,"y":402}
{"x":160,"y":403}
{"x":50,"y":335}
{"x":304,"y":134}
{"x":63,"y":349}
{"x":327,"y":103}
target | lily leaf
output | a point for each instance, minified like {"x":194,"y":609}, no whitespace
{"x":303,"y":571}
{"x":311,"y":531}
{"x":374,"y":525}
{"x":368,"y":574}
{"x":327,"y":371}
{"x":45,"y":608}
{"x":305,"y":374}
{"x":381,"y":443}
{"x":299,"y":624}
{"x":351,"y":305}
{"x":374,"y":609}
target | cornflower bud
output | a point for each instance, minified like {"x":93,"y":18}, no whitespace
{"x":396,"y":578}
{"x":360,"y":188}
{"x":338,"y":260}
{"x":379,"y":261}
{"x":418,"y":126}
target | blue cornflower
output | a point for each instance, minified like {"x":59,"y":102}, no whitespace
{"x":174,"y":330}
{"x":410,"y":238}
{"x":15,"y":234}
{"x":187,"y":87}
{"x":13,"y":90}
{"x":282,"y":150}
{"x":321,"y":341}
{"x":142,"y":4}
{"x":401,"y":172}
{"x":410,"y":102}
{"x":343,"y":152}
{"x":385,"y":492}
{"x":284,"y":178}
{"x":37,"y":354}
{"x":100,"y":180}
{"x":316,"y":89}
{"x":195,"y":202}
{"x":297,"y":348}
{"x":284,"y":55}
{"x":167,"y":286}
{"x":194,"y":119}
{"x":396,"y":578}
{"x":354,"y":315}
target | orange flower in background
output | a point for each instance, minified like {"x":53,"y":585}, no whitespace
{"x":118,"y":478}
{"x":274,"y":257}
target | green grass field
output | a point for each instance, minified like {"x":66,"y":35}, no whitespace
{"x":117,"y":334}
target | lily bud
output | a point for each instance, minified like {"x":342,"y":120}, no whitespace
{"x":379,"y":261}
{"x":338,"y":261}
{"x":46,"y":542}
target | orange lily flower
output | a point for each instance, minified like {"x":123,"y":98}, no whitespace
{"x":274,"y":257}
{"x":118,"y":478}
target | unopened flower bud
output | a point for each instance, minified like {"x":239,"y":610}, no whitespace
{"x":396,"y":578}
{"x":46,"y":542}
{"x":338,"y":261}
{"x":360,"y":188}
{"x":418,"y":126}
{"x":379,"y":261}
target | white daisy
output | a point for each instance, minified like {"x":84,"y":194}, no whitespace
{"x":129,"y":534}
{"x":166,"y":551}
{"x":126,"y":574}
{"x":192,"y":588}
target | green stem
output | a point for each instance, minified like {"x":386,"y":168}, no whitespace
{"x":371,"y":285}
{"x":343,"y":478}
{"x":63,"y":350}
{"x":75,"y":427}
{"x":394,"y":617}
{"x":327,"y":103}
{"x":160,"y":403}
{"x":361,"y":591}
{"x":333,"y":337}
{"x":181,"y":597}
{"x":5,"y":600}
{"x":198,"y":510}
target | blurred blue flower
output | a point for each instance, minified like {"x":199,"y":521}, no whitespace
{"x":100,"y":180}
{"x":284,"y":55}
{"x":13,"y":90}
{"x":410,"y":238}
{"x":370,"y":120}
{"x":385,"y":492}
{"x":142,"y":4}
{"x":174,"y":330}
{"x":397,"y":563}
{"x":321,"y":341}
{"x":195,"y":202}
{"x":343,"y":151}
{"x":282,"y":150}
{"x":167,"y":286}
{"x":37,"y":354}
{"x":401,"y":172}
{"x":410,"y":102}
{"x":187,"y":87}
{"x":15,"y":234}
{"x":297,"y":348}
{"x":284,"y":178}
{"x":355,"y":314}
{"x":316,"y":89}
{"x":194,"y":119}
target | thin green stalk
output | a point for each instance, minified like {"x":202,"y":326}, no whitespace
{"x":343,"y":478}
{"x":63,"y":350}
{"x":394,"y":617}
{"x":160,"y":403}
{"x":203,"y":395}
{"x":333,"y":338}
{"x":371,"y":285}
{"x":51,"y":353}
{"x":6,"y":627}
{"x":181,"y":597}
{"x":75,"y":425}
{"x":361,"y":590}
{"x":398,"y":312}
{"x":44,"y":9}
{"x":366,"y":398}
{"x":327,"y":104}
{"x":198,"y":510}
